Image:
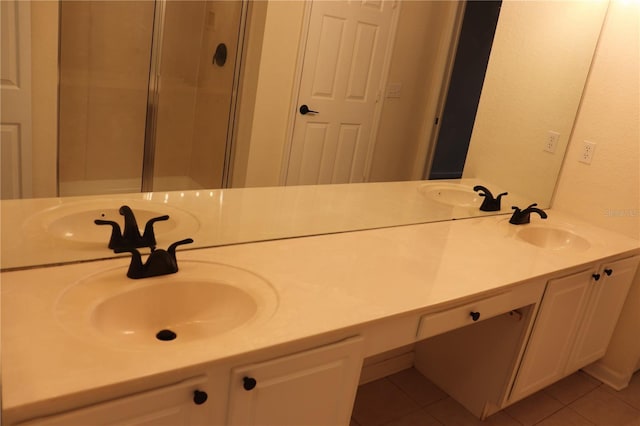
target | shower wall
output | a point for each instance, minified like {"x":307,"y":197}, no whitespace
{"x":104,"y":69}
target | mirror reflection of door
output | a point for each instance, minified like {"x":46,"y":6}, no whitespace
{"x":15,"y":95}
{"x":344,"y":63}
{"x":115,"y":100}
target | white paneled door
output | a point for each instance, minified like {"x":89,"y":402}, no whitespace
{"x":344,"y":63}
{"x":15,"y":85}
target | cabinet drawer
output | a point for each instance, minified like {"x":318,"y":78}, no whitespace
{"x":460,"y":316}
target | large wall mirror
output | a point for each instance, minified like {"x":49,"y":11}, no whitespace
{"x":128,"y":96}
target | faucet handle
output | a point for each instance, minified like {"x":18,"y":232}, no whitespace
{"x":149,"y":238}
{"x":116,"y":236}
{"x":489,"y":204}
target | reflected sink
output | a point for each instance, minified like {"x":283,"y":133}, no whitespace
{"x":552,"y":237}
{"x":203,"y":300}
{"x":452,"y":195}
{"x":74,"y":222}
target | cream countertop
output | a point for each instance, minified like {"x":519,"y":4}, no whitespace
{"x":324,"y":283}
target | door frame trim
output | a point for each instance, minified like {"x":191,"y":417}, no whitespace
{"x":297,"y":77}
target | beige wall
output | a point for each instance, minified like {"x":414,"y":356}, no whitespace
{"x":44,"y":90}
{"x":403,"y":133}
{"x":607,"y":192}
{"x":548,"y":46}
{"x":275,"y":86}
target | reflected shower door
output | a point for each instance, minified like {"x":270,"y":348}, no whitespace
{"x":104,"y":70}
{"x":145,"y":102}
{"x":194,"y":105}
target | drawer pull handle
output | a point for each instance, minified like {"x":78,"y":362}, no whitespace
{"x":596,"y":277}
{"x":199,"y":397}
{"x":475,"y":315}
{"x":249,"y":383}
{"x":608,"y":271}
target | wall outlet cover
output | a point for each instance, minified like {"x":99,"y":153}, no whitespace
{"x":588,"y":148}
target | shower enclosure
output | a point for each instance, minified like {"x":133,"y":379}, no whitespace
{"x":147,"y":94}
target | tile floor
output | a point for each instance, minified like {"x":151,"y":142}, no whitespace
{"x":408,"y":399}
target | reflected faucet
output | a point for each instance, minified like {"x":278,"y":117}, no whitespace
{"x":522,"y":217}
{"x":131,"y":237}
{"x":490,"y":204}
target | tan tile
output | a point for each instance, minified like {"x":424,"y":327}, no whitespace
{"x":381,"y":401}
{"x":450,"y":413}
{"x":534,"y":408}
{"x":419,"y":417}
{"x":572,"y":387}
{"x":419,"y":388}
{"x":565,"y":417}
{"x":603,"y":408}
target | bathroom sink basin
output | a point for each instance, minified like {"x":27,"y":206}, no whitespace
{"x":452,"y":195}
{"x":549,"y":237}
{"x":74,"y":221}
{"x":203,"y":300}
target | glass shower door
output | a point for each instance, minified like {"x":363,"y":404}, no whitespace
{"x":194,"y":105}
{"x":104,"y":71}
{"x":147,"y":92}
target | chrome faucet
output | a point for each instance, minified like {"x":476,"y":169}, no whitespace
{"x":521,"y":217}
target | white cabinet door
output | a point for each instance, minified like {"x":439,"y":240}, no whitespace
{"x":173,"y":405}
{"x":554,"y":331}
{"x":315,"y":387}
{"x":607,"y":299}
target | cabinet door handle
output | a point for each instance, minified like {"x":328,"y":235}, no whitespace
{"x":596,"y":277}
{"x":608,"y":271}
{"x":475,"y":315}
{"x":199,"y":397}
{"x":249,"y":383}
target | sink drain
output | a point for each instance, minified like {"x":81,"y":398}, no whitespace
{"x":166,"y":335}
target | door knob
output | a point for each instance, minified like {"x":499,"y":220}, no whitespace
{"x":475,"y":315}
{"x":304,"y":109}
{"x":596,"y":277}
{"x":608,"y":271}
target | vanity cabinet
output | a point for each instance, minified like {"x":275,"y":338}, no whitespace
{"x":315,"y":387}
{"x":575,"y":322}
{"x":183,"y":403}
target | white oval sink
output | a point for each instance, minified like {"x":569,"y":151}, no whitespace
{"x":551,"y":237}
{"x":202,"y":300}
{"x":452,"y":195}
{"x":74,"y":221}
